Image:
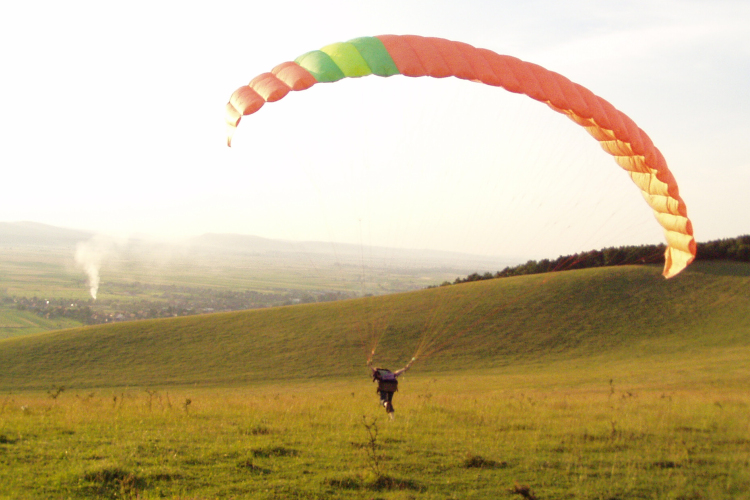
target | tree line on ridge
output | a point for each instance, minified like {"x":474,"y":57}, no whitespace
{"x":733,"y":249}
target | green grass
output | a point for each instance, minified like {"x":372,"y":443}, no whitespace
{"x":596,"y":384}
{"x":15,"y":323}
{"x":469,"y":435}
{"x":32,"y":271}
{"x":618,"y":313}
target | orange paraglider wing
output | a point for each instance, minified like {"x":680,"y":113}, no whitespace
{"x":414,"y":56}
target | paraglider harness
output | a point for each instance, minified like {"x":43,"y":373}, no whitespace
{"x":387,"y":381}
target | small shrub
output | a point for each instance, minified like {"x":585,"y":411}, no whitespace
{"x":164,"y":476}
{"x":258,"y":430}
{"x":114,"y":482}
{"x":666,"y":464}
{"x":346,"y":483}
{"x":371,"y":447}
{"x":249,"y":466}
{"x":388,"y":483}
{"x":105,"y":475}
{"x":6,"y":440}
{"x":524,"y":491}
{"x":478,"y":462}
{"x":55,"y":391}
{"x":274,"y":451}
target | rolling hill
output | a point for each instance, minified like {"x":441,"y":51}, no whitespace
{"x":14,"y":234}
{"x":592,"y":316}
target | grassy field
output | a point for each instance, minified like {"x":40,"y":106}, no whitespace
{"x":643,"y":433}
{"x":52,"y":272}
{"x":595,"y":384}
{"x":14,"y":323}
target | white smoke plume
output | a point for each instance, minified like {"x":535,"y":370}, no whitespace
{"x":89,"y":256}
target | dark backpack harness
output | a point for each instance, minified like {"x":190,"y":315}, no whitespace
{"x":387,"y":381}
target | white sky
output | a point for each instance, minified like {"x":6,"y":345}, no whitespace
{"x":111,"y":119}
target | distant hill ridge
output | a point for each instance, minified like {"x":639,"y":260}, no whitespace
{"x":13,"y":234}
{"x":34,"y":233}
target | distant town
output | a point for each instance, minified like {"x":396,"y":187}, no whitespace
{"x":164,"y":301}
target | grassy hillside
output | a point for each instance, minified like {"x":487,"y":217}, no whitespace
{"x":608,"y":314}
{"x":602,"y":383}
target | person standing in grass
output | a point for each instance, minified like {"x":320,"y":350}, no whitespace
{"x":387,"y":383}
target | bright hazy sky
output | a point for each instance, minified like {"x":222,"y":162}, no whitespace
{"x":112,"y":120}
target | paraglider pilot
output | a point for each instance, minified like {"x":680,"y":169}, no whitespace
{"x":387,"y":383}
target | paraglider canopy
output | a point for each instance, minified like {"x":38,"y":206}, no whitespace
{"x":414,"y":56}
